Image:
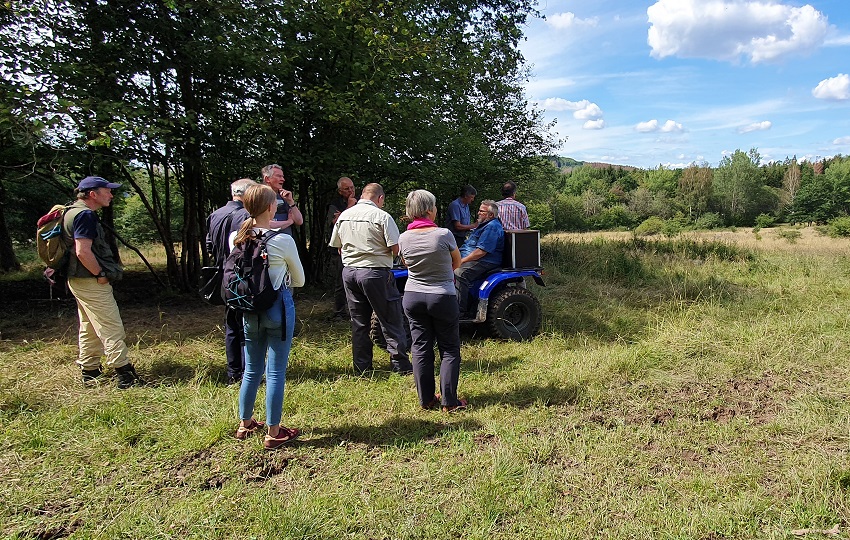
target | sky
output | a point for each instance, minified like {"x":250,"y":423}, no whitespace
{"x":676,"y":82}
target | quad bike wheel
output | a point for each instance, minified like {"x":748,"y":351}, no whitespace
{"x":514,"y":313}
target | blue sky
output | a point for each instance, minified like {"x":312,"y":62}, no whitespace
{"x":675,"y":82}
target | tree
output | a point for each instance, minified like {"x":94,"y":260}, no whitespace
{"x":791,"y":182}
{"x":737,"y":185}
{"x":695,"y":188}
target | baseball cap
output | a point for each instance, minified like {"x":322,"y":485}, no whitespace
{"x":94,"y":182}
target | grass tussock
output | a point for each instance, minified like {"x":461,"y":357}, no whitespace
{"x":680,"y":388}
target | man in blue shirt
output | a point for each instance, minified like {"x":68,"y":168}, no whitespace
{"x":458,"y":220}
{"x":481,"y":253}
{"x":287,"y":213}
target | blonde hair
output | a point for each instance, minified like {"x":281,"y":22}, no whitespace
{"x":256,"y":200}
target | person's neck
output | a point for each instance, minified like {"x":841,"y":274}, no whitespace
{"x":92,"y":205}
{"x":262,"y":222}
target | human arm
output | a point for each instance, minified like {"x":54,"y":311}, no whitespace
{"x":456,"y":259}
{"x":82,"y":248}
{"x":476,"y":254}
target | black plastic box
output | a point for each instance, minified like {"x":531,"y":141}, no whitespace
{"x":522,"y":249}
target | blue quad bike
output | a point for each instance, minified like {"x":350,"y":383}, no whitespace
{"x":504,"y":305}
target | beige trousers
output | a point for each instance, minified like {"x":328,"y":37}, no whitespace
{"x":101,"y":329}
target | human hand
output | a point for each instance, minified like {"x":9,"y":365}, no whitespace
{"x":286,"y":195}
{"x":351,"y":201}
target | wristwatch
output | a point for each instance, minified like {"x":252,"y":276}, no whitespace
{"x":294,"y":205}
{"x":102,"y":273}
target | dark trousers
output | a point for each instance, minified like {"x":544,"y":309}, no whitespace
{"x":466,"y":274}
{"x":234,"y":339}
{"x":340,"y":302}
{"x":368,"y":290}
{"x":434,"y":317}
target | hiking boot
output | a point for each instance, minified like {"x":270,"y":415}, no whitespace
{"x":91,"y":375}
{"x":128,"y":377}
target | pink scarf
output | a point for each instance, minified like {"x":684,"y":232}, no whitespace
{"x":421,"y":223}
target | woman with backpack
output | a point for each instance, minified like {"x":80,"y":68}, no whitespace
{"x":268,"y":331}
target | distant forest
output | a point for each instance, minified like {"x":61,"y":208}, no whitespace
{"x":740,"y":191}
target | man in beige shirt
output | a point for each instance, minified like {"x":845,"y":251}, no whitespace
{"x":367,"y":238}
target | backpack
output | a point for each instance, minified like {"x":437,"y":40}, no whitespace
{"x":246,"y":284}
{"x":53,"y":248}
{"x":210,"y":284}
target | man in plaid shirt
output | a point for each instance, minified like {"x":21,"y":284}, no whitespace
{"x":512,"y":213}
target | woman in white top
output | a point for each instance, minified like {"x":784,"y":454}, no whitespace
{"x":430,"y":301}
{"x":269,"y":331}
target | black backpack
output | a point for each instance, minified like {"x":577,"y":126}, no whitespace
{"x":246,"y":284}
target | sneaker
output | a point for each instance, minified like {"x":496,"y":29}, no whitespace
{"x":284,"y":436}
{"x":128,"y":377}
{"x":243,"y":432}
{"x":90,"y":375}
{"x":461,"y":406}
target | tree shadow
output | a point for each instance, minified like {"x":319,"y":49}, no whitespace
{"x":490,"y":366}
{"x":397,"y":431}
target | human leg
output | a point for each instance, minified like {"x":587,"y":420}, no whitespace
{"x":102,"y":323}
{"x":445,"y":314}
{"x":279,"y":345}
{"x":380,"y":288}
{"x":361,"y":315}
{"x":422,"y":346}
{"x":464,"y":276}
{"x":234,"y":338}
{"x":255,"y":361}
{"x":340,"y":301}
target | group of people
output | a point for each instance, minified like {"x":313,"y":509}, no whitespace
{"x":364,"y":241}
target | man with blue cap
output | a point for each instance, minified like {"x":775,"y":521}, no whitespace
{"x":91,"y":270}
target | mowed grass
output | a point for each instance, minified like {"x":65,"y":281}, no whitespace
{"x":685,"y":388}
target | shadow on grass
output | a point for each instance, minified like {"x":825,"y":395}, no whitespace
{"x":529,"y":395}
{"x":491,"y":366}
{"x":397,"y":431}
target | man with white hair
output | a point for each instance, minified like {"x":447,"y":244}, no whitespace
{"x":287,"y":213}
{"x":220,"y":224}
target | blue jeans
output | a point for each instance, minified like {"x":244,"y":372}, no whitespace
{"x":265,"y":332}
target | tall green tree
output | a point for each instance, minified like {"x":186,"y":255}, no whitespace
{"x":737,"y":185}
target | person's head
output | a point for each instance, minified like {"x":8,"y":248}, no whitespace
{"x":420,"y":203}
{"x":345,"y":187}
{"x":95,"y":192}
{"x":373,"y":192}
{"x":273,"y":176}
{"x":237,"y":188}
{"x":258,"y":199}
{"x":487,"y":210}
{"x":508,"y":189}
{"x":467,"y":194}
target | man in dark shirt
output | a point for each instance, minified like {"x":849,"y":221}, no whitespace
{"x":220,"y":224}
{"x":287,"y":213}
{"x":91,"y":270}
{"x":345,"y":200}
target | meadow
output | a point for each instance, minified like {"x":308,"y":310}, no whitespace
{"x":693,"y":387}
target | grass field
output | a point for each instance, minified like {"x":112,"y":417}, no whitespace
{"x":692,"y":388}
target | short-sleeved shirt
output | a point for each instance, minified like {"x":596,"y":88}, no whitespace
{"x":365,"y":234}
{"x":428,"y":256}
{"x":282,"y":214}
{"x":457,"y":213}
{"x":85,"y":225}
{"x":513,"y":214}
{"x":489,"y":237}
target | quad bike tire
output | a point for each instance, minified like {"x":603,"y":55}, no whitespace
{"x":514,"y":313}
{"x":376,"y":333}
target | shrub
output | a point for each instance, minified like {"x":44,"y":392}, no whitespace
{"x":540,"y":216}
{"x":765,"y":220}
{"x":710,"y":220}
{"x":650,"y":226}
{"x":792,"y":235}
{"x":615,"y":217}
{"x":839,"y":227}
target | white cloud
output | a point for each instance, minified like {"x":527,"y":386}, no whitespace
{"x":594,"y":124}
{"x":756,"y":126}
{"x":833,"y":88}
{"x":590,"y":111}
{"x":840,"y":141}
{"x":652,"y":125}
{"x":563,"y":21}
{"x":729,"y":29}
{"x":647,"y":127}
